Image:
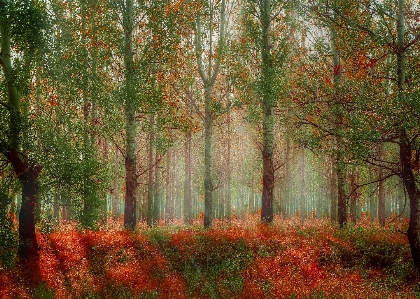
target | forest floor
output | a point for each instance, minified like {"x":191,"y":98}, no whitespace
{"x":287,"y":259}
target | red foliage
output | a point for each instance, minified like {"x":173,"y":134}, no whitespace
{"x":173,"y":287}
{"x":285,"y":260}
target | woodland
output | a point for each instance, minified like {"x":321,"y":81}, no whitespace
{"x":209,"y":149}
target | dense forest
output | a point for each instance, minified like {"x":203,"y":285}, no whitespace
{"x":127,"y":115}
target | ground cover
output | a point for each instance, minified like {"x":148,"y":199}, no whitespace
{"x":287,"y":259}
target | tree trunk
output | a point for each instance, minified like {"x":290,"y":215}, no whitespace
{"x":26,"y":171}
{"x":28,"y":175}
{"x":251,"y":201}
{"x":208,"y":77}
{"x":338,"y":119}
{"x":286,"y":179}
{"x":208,"y":180}
{"x":27,"y":237}
{"x":354,"y":197}
{"x":229,"y":172}
{"x":341,"y":179}
{"x":115,"y":197}
{"x":333,"y":191}
{"x":413,"y":192}
{"x":303,"y":212}
{"x":169,"y":210}
{"x":130,"y":119}
{"x":188,"y":219}
{"x":150,"y":182}
{"x":407,"y":174}
{"x":268,"y":120}
{"x":158,"y":191}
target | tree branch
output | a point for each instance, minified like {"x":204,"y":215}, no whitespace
{"x":369,"y":183}
{"x":198,"y":51}
{"x":220,"y":43}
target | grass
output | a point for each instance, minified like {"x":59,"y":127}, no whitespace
{"x":287,"y":259}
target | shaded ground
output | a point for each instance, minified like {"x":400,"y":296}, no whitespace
{"x":242,"y":260}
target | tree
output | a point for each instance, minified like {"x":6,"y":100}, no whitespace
{"x":340,"y":167}
{"x":390,"y":37}
{"x":262,"y":21}
{"x":130,"y":109}
{"x":21,"y":23}
{"x":208,"y":74}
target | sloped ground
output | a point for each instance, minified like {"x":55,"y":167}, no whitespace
{"x":243,"y":260}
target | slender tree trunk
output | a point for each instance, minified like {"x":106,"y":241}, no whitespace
{"x":158,"y":191}
{"x":169,"y":210}
{"x":333,"y":191}
{"x":354,"y":197}
{"x":381,"y":190}
{"x":150,"y":182}
{"x":303,"y":212}
{"x":229,"y":172}
{"x":130,"y":119}
{"x":188,"y":219}
{"x":340,"y":167}
{"x":341,"y":179}
{"x":251,"y":201}
{"x":208,"y":180}
{"x":90,"y":210}
{"x":208,"y":76}
{"x":286,"y":179}
{"x":268,"y":119}
{"x":115,"y":197}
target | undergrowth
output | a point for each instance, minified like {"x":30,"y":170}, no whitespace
{"x":287,"y":259}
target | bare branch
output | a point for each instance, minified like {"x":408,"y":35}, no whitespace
{"x":369,"y":183}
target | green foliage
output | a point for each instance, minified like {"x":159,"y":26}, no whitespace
{"x":8,"y":233}
{"x":113,"y":290}
{"x":209,"y":263}
{"x":41,"y":291}
{"x":316,"y":295}
{"x":28,"y":20}
{"x":370,"y":249}
{"x":149,"y":295}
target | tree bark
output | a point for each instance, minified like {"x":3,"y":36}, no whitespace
{"x":333,"y":191}
{"x":26,"y":171}
{"x":130,"y":119}
{"x":381,"y":192}
{"x":208,"y":76}
{"x":208,"y":180}
{"x":150,"y":181}
{"x":413,"y":192}
{"x":169,"y":210}
{"x":158,"y":191}
{"x":28,"y":245}
{"x":188,"y":219}
{"x":341,"y":179}
{"x":268,"y":119}
{"x":303,"y":212}
{"x":340,"y":166}
{"x":407,"y":167}
{"x":355,"y":196}
{"x":229,"y":172}
{"x":286,"y":179}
